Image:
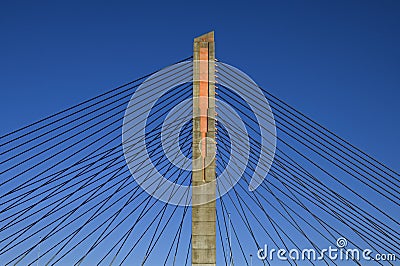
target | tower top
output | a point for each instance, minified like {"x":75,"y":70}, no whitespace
{"x":208,"y":37}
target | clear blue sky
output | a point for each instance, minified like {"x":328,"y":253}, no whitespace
{"x":336,"y":61}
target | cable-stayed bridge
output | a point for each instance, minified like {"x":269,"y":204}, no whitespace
{"x":194,"y":164}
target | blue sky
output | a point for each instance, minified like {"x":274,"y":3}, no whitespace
{"x":336,"y":61}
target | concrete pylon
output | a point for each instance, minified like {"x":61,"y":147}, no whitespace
{"x":204,"y":214}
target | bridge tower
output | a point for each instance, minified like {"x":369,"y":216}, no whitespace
{"x":204,"y":214}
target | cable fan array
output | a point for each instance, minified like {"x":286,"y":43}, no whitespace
{"x":67,"y":196}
